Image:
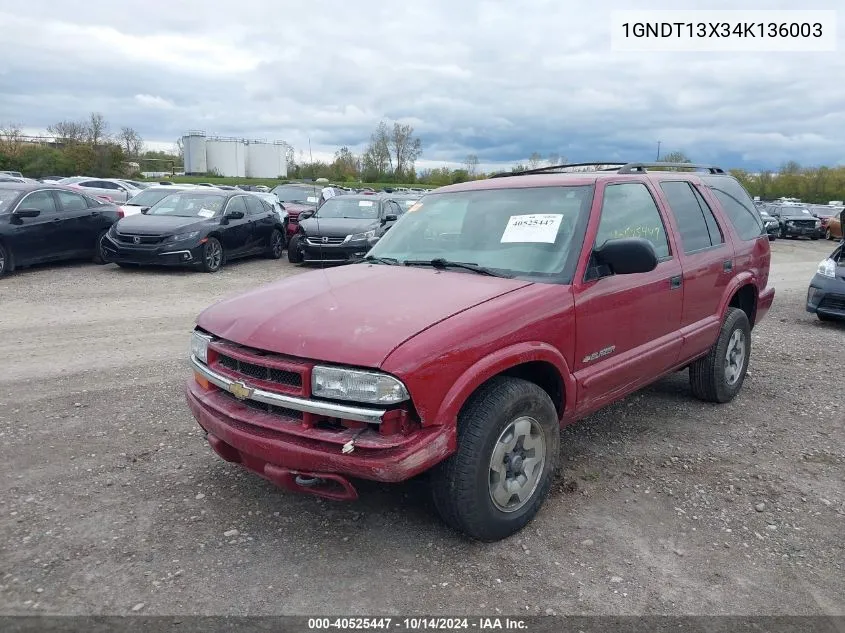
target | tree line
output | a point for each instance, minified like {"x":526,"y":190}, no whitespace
{"x":89,"y":147}
{"x":86,"y":146}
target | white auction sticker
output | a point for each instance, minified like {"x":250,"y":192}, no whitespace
{"x":536,"y":227}
{"x":310,"y":199}
{"x":365,"y":203}
{"x":205,"y":213}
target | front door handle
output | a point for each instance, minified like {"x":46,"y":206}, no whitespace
{"x":675,"y":282}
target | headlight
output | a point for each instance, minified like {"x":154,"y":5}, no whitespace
{"x":818,"y":223}
{"x":199,"y":345}
{"x":360,"y":236}
{"x":827,"y":268}
{"x":181,"y":237}
{"x":789,"y":222}
{"x":360,"y":386}
{"x":113,"y":230}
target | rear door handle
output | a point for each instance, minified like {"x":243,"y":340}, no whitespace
{"x":675,"y":282}
{"x":727,"y":265}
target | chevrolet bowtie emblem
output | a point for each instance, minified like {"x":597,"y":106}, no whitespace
{"x":240,"y":390}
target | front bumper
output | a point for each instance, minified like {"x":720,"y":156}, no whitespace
{"x":826,"y":296}
{"x":344,"y":252}
{"x":185,"y":253}
{"x":277,"y":445}
{"x":801,"y":231}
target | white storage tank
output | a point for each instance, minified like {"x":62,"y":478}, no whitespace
{"x":193,"y":147}
{"x":226,"y":157}
{"x":265,"y":160}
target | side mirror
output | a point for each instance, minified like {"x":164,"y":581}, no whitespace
{"x":390,"y":217}
{"x":234,"y":215}
{"x":627,"y":255}
{"x":27,"y":213}
{"x":144,"y":210}
{"x":306,"y":214}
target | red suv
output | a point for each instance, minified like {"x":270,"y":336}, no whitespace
{"x":493,"y":313}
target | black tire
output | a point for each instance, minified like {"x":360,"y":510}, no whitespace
{"x":461,"y":485}
{"x":125,"y":265}
{"x":710,"y":377}
{"x":212,"y":255}
{"x":6,"y":265}
{"x":294,"y":253}
{"x":277,"y":245}
{"x":824,"y":317}
{"x":783,"y":232}
{"x":99,"y":254}
{"x":828,"y":235}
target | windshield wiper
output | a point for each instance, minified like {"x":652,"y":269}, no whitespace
{"x":439,"y":262}
{"x":371,"y":259}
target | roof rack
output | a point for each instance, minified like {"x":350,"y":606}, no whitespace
{"x":641,"y":168}
{"x":621,"y":168}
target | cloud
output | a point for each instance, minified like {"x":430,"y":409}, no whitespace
{"x":496,"y":79}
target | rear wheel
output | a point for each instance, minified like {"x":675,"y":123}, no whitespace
{"x":99,"y":252}
{"x":718,"y":377}
{"x":294,"y":252}
{"x":827,"y":235}
{"x":212,"y":255}
{"x":5,"y":260}
{"x":496,"y":481}
{"x":277,"y":245}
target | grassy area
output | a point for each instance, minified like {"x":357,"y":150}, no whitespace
{"x":272,"y":182}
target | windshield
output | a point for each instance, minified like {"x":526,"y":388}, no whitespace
{"x":526,"y":231}
{"x":297,"y":195}
{"x":7,"y":196}
{"x":353,"y":208}
{"x":148,"y":197}
{"x":189,"y":205}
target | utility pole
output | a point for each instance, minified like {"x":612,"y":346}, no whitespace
{"x":658,"y":150}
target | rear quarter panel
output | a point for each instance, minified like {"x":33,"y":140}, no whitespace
{"x":444,"y":364}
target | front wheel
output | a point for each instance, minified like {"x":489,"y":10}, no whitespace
{"x":294,"y":252}
{"x":827,"y":235}
{"x":5,"y":260}
{"x":508,"y":442}
{"x":212,"y":255}
{"x":718,"y":377}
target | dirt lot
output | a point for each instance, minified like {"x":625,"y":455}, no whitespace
{"x":111,"y":499}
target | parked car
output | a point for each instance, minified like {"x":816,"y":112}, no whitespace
{"x":795,"y":221}
{"x":201,"y":228}
{"x":136,"y":183}
{"x":273,"y":201}
{"x":145,"y":199}
{"x":45,"y":222}
{"x":118,"y":190}
{"x":341,"y":229}
{"x":770,"y":224}
{"x":296,"y":199}
{"x":51,"y":179}
{"x":833,"y":230}
{"x":826,"y":295}
{"x":488,"y":317}
{"x":14,"y":174}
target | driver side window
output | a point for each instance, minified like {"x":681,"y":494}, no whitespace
{"x":236,"y":204}
{"x":628,"y":210}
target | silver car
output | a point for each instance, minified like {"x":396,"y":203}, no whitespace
{"x":118,"y":190}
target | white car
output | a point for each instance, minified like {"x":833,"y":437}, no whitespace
{"x":273,"y":201}
{"x":148,"y":197}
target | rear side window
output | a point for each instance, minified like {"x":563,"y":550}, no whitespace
{"x":628,"y":210}
{"x":738,"y":205}
{"x":696,"y":224}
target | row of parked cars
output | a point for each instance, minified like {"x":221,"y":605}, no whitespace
{"x":792,"y":219}
{"x":199,"y":226}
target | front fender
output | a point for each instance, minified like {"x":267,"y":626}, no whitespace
{"x":497,"y":362}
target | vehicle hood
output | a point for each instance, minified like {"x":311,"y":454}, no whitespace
{"x":140,"y":224}
{"x":351,"y":315}
{"x":338,"y":227}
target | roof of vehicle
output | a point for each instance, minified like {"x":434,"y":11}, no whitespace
{"x":586,"y":174}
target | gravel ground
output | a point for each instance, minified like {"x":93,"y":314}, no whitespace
{"x":112,"y":503}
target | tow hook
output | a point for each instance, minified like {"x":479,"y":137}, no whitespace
{"x":308,"y":482}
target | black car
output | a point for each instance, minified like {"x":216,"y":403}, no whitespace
{"x":45,"y":222}
{"x":200,"y":228}
{"x":796,"y":221}
{"x":771,"y":225}
{"x":826,"y":295}
{"x":340,"y":230}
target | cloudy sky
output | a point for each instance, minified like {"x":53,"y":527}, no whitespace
{"x":497,"y":79}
